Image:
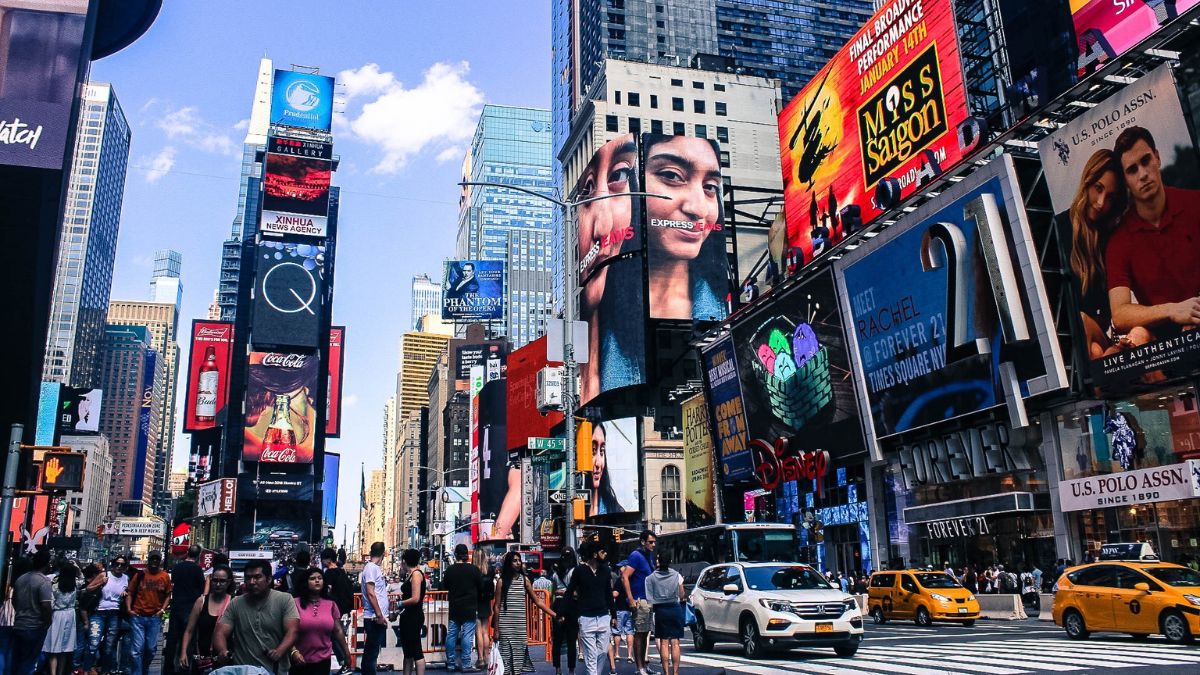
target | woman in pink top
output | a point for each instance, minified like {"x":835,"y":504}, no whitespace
{"x":320,"y":625}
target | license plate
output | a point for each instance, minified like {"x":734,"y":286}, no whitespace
{"x":962,"y":610}
{"x":825,"y":627}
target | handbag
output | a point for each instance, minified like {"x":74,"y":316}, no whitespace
{"x":689,"y":617}
{"x":495,"y":665}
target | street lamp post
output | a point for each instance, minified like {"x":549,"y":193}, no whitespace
{"x":570,"y":365}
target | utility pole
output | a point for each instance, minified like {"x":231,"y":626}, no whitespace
{"x":8,"y":492}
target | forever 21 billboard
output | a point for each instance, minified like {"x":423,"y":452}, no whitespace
{"x":288,"y":294}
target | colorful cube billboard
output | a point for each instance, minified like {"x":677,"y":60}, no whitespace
{"x":280,"y":424}
{"x":208,"y":375}
{"x":302,"y":100}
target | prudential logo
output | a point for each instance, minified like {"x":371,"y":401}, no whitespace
{"x":303,"y":96}
{"x":303,"y":100}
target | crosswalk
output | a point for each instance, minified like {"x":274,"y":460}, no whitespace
{"x":980,"y":657}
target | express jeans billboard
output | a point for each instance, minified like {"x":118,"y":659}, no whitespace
{"x":1105,"y":29}
{"x":946,"y":312}
{"x":1123,"y":177}
{"x":281,"y":420}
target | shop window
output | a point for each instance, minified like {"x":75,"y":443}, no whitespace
{"x":672,"y":494}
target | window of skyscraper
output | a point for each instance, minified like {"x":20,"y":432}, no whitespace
{"x":697,"y":85}
{"x":702,"y":131}
{"x":677,"y":103}
{"x":617,"y":97}
{"x":610,"y":122}
{"x":724,"y":159}
{"x":662,"y":39}
{"x":660,"y":24}
{"x":656,"y":126}
{"x":718,"y":87}
{"x":635,"y":125}
{"x":698,"y":106}
{"x":676,"y":83}
{"x":635,"y":99}
{"x":653,"y":101}
{"x":721,"y":108}
{"x":678,"y":129}
{"x":723,"y":134}
{"x":658,"y":9}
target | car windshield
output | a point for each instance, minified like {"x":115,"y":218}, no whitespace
{"x":937,"y":580}
{"x":784,"y":578}
{"x":1175,"y":576}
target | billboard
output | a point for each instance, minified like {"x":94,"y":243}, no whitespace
{"x":688,"y":270}
{"x":795,"y":379}
{"x":876,"y":123}
{"x":79,"y":410}
{"x":499,"y":472}
{"x":275,"y":486}
{"x":1113,"y":170}
{"x":945,"y":311}
{"x":698,"y":463}
{"x":46,"y":430}
{"x":524,"y":420}
{"x":295,"y":195}
{"x":208,"y":374}
{"x":1105,"y":29}
{"x":473,"y":290}
{"x":41,"y":63}
{"x":613,"y":482}
{"x":303,"y":100}
{"x":143,"y":432}
{"x":280,"y":420}
{"x":490,"y":355}
{"x":609,"y":227}
{"x":299,"y":147}
{"x":727,"y":409}
{"x":288,"y":292}
{"x":329,"y":488}
{"x":333,"y":390}
{"x":215,"y":497}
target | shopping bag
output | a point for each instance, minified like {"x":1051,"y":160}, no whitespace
{"x":689,"y":617}
{"x":495,"y":663}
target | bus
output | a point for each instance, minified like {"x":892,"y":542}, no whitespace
{"x":692,"y":550}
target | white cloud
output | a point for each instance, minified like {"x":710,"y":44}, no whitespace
{"x":242,"y":124}
{"x":349,"y":400}
{"x":435,"y":115}
{"x":449,"y":154}
{"x":186,"y":125}
{"x":161,"y":164}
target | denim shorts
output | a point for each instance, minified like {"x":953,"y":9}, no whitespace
{"x":624,"y":623}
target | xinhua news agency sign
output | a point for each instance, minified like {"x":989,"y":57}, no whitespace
{"x":1144,"y":486}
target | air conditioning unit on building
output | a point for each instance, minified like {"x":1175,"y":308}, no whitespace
{"x":550,"y":389}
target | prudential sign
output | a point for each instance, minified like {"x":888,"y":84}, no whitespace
{"x":302,"y":100}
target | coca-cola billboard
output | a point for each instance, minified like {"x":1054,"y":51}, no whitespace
{"x":281,"y":416}
{"x":333,"y":391}
{"x":208,"y":375}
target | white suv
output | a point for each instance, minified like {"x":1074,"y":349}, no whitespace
{"x":768,"y":606}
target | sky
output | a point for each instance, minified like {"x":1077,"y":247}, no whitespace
{"x":412,"y":79}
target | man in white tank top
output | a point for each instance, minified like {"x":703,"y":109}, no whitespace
{"x":105,"y":623}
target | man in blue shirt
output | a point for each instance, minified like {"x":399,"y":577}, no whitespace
{"x":633,"y":578}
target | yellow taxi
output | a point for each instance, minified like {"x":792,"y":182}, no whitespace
{"x":1138,"y":597}
{"x":920,"y":595}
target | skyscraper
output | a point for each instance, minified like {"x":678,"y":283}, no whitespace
{"x":512,"y":146}
{"x":88,"y":246}
{"x":165,"y":283}
{"x":426,"y":298}
{"x":132,"y":377}
{"x":419,"y":354}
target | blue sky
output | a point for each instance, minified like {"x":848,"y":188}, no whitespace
{"x":415,"y":75}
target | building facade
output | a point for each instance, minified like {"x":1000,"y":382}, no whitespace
{"x":389,"y":470}
{"x":91,"y":502}
{"x":88,"y":244}
{"x":426,"y":298}
{"x":131,"y":375}
{"x":419,"y":354}
{"x":166,"y":285}
{"x":371,"y":515}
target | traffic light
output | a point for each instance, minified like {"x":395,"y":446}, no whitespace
{"x":62,"y":471}
{"x":579,"y":509}
{"x":583,"y":447}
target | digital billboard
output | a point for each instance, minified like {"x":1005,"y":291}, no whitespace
{"x":608,"y":227}
{"x":473,"y":290}
{"x":288,"y":291}
{"x":79,"y":410}
{"x":216,"y":497}
{"x":727,"y":411}
{"x":1105,"y":29}
{"x":795,"y":378}
{"x":688,"y":269}
{"x":329,"y":488}
{"x":295,"y":195}
{"x":698,"y":462}
{"x":275,"y":486}
{"x":945,"y":311}
{"x":280,"y":420}
{"x":208,"y":375}
{"x":876,"y":123}
{"x":1112,"y":171}
{"x":303,"y":100}
{"x":333,"y":390}
{"x":490,"y":355}
{"x":299,"y":147}
{"x":499,"y":472}
{"x":613,"y":482}
{"x":524,"y":420}
{"x":41,"y":64}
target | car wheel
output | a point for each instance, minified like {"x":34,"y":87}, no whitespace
{"x":1175,"y":627}
{"x":700,"y":638}
{"x":877,"y":615}
{"x":1074,"y":625}
{"x":970,"y":623}
{"x":752,"y":645}
{"x":846,"y":651}
{"x":923,"y":618}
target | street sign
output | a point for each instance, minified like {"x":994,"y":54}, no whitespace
{"x":538,"y":444}
{"x":560,"y":496}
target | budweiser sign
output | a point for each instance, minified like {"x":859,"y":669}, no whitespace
{"x":207,"y":333}
{"x":274,"y":360}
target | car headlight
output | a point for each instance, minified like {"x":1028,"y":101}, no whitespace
{"x":1194,"y":599}
{"x":776,"y":605}
{"x":849,"y":605}
{"x":939,"y":597}
{"x":971,"y":598}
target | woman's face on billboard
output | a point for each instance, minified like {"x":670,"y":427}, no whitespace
{"x":686,"y":170}
{"x":599,"y":452}
{"x":604,"y":225}
{"x":1102,"y":195}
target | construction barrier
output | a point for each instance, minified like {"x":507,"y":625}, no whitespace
{"x":1047,"y":613}
{"x":1003,"y":606}
{"x":437,"y":623}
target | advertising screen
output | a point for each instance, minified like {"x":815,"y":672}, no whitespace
{"x":878,"y":121}
{"x":143,"y":432}
{"x":41,"y":44}
{"x":208,"y":374}
{"x":698,"y":463}
{"x":727,"y":410}
{"x":524,"y":420}
{"x":689,"y":271}
{"x":275,"y":486}
{"x":945,"y":311}
{"x":1112,"y":171}
{"x":280,"y":421}
{"x":298,"y":147}
{"x":295,"y":195}
{"x":490,"y":355}
{"x":329,"y":488}
{"x":288,"y":291}
{"x":499,"y":472}
{"x":473,"y":290}
{"x":303,"y":100}
{"x":46,"y":429}
{"x":333,"y":391}
{"x":795,"y":377}
{"x":218,"y":496}
{"x":79,"y":410}
{"x":613,"y":482}
{"x":608,"y":227}
{"x":1105,"y":29}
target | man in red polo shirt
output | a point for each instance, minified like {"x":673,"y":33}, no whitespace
{"x":1153,"y":259}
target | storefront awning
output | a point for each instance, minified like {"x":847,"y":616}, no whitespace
{"x":1009,"y":502}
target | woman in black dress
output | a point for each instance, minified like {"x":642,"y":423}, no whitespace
{"x":196,"y":656}
{"x":412,"y":613}
{"x":483,"y":630}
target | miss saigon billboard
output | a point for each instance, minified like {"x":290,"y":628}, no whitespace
{"x":880,"y":120}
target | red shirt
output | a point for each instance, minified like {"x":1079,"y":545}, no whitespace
{"x":1159,"y":264}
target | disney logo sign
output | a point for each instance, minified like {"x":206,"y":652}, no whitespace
{"x":775,"y":463}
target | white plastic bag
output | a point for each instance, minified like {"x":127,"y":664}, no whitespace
{"x":495,"y":662}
